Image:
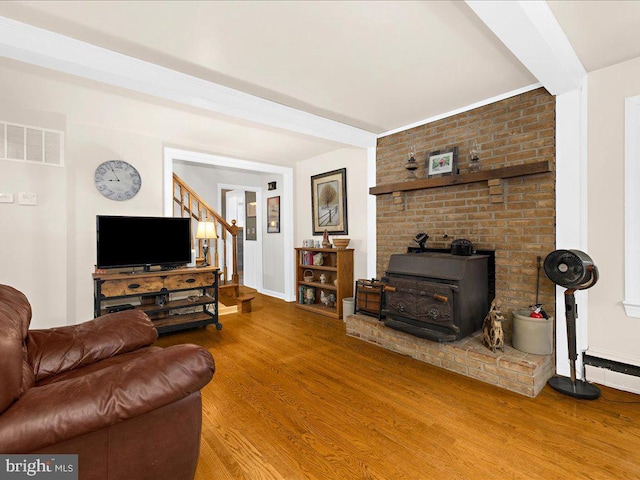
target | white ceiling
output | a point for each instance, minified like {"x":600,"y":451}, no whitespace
{"x":374,"y":65}
{"x":602,"y":33}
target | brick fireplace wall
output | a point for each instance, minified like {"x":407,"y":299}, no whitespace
{"x":515,"y":216}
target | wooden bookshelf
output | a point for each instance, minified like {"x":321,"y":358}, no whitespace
{"x":337,"y":267}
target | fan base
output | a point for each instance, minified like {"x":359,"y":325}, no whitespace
{"x":579,"y":389}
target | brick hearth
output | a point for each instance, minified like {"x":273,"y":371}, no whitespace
{"x":513,"y":370}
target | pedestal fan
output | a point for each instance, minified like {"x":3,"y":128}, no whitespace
{"x":573,"y":270}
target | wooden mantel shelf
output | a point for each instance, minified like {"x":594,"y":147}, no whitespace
{"x":481,"y":176}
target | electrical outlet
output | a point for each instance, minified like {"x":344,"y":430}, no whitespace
{"x":6,"y":197}
{"x":27,"y":198}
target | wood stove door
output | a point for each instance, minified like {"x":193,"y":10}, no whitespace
{"x":423,"y":301}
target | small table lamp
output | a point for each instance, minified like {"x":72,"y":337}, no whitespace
{"x":205,"y":231}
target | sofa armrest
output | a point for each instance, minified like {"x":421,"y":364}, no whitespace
{"x":56,"y":350}
{"x":64,"y":410}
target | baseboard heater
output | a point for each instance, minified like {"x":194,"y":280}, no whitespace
{"x":620,"y":367}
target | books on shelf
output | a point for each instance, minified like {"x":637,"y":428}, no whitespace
{"x":306,"y":295}
{"x":307,"y":258}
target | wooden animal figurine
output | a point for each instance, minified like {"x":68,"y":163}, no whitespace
{"x":493,"y":335}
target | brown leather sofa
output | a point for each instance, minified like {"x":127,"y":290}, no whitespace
{"x":100,"y":390}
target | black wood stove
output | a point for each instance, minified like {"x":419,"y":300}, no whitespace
{"x":439,"y":296}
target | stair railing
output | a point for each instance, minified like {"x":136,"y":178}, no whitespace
{"x":187,"y":203}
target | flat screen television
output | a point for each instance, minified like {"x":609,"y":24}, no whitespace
{"x":142,"y":241}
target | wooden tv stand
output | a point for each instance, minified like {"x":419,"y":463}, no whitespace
{"x":174,"y":299}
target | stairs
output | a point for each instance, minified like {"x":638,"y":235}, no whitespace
{"x":226,"y":310}
{"x":187,"y":203}
{"x":228,"y":293}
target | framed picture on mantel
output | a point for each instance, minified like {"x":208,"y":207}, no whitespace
{"x":329,"y":202}
{"x":442,"y":163}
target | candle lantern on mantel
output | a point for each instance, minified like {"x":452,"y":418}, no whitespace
{"x":411,"y":165}
{"x":474,"y":160}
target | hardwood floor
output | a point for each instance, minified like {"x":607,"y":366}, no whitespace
{"x":294,"y":398}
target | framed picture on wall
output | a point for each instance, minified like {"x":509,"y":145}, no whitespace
{"x":273,"y":215}
{"x":329,"y":202}
{"x":442,"y":163}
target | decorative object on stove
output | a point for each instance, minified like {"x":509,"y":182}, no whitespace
{"x":462,"y":246}
{"x":442,"y":162}
{"x":421,"y":239}
{"x":492,"y":333}
{"x":573,"y":270}
{"x":474,"y":161}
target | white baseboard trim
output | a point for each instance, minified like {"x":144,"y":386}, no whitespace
{"x":609,"y":378}
{"x":271,"y":293}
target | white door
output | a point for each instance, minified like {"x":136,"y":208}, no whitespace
{"x":249,"y":258}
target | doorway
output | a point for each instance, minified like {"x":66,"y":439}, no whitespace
{"x":243,"y":204}
{"x":277,"y":279}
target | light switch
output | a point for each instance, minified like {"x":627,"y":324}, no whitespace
{"x":27,"y":198}
{"x":6,"y":197}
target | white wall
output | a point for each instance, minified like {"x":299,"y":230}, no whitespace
{"x":33,"y":238}
{"x":355,"y":161}
{"x":87,"y":147}
{"x":48,"y":251}
{"x":33,"y":248}
{"x":272,"y":252}
{"x":204,"y":179}
{"x":612,"y":334}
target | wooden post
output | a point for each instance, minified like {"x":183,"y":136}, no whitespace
{"x":234,"y":246}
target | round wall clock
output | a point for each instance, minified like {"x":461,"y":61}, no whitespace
{"x":117,"y":180}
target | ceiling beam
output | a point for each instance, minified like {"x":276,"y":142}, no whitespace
{"x":530,"y":30}
{"x":29,"y":44}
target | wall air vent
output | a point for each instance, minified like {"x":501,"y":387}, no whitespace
{"x":31,"y":144}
